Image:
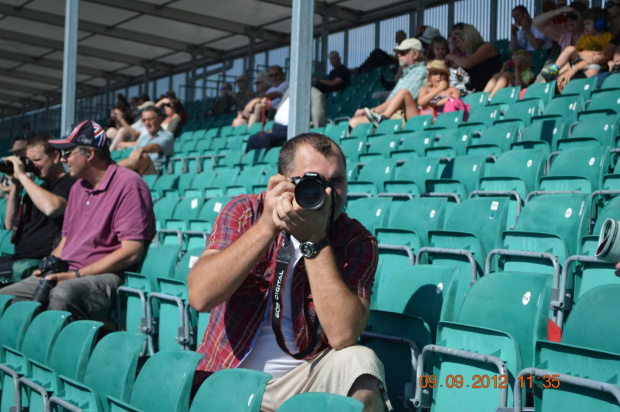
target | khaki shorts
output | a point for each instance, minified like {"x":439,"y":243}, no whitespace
{"x":333,"y":371}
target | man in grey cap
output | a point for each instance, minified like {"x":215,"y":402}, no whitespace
{"x":411,"y":58}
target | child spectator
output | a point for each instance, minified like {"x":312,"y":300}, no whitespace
{"x":515,"y":72}
{"x":595,"y":38}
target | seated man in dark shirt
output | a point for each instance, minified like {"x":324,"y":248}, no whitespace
{"x":338,"y":78}
{"x":36,"y":218}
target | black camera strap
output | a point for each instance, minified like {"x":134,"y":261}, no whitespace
{"x":283,"y":260}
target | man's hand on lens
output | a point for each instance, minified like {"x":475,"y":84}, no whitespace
{"x":304,"y":225}
{"x":19,"y":170}
{"x":277,"y":185}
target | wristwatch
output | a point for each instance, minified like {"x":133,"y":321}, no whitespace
{"x":310,"y":250}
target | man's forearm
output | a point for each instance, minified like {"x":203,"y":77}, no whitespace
{"x":152,"y":148}
{"x":12,"y":206}
{"x":342,"y":314}
{"x":48,"y":203}
{"x":127,"y":255}
{"x":218,"y":274}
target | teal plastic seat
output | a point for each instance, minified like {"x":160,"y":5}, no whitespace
{"x":69,"y":358}
{"x":565,"y":107}
{"x":542,"y":91}
{"x":552,"y":223}
{"x":361,"y":131}
{"x":484,"y":115}
{"x":249,"y":177}
{"x":501,"y":318}
{"x":452,"y":143}
{"x":524,"y":111}
{"x":418,"y":123}
{"x":579,"y":168}
{"x":208,"y":213}
{"x":14,"y":324}
{"x":163,"y":209}
{"x":494,"y":140}
{"x":200,"y":183}
{"x":231,"y":390}
{"x":449,"y":120}
{"x":459,"y":177}
{"x":605,"y":101}
{"x":372,"y":212}
{"x":164,"y":183}
{"x":411,"y":177}
{"x":270,"y":157}
{"x":542,"y":134}
{"x":337,"y":132}
{"x":111,"y":371}
{"x":381,"y":146}
{"x":414,"y":144}
{"x":184,"y":211}
{"x":319,"y":401}
{"x":372,"y":177}
{"x":506,"y":96}
{"x":598,"y":129}
{"x":611,"y":82}
{"x":37,"y":345}
{"x":163,"y":385}
{"x":476,"y":100}
{"x":588,"y":350}
{"x":5,"y":301}
{"x":583,"y":87}
{"x":388,"y":127}
{"x":353,"y":148}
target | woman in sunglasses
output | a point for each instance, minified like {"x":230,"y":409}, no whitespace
{"x":566,"y":33}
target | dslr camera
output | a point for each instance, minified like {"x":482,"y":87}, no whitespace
{"x":310,"y":191}
{"x":50,"y":264}
{"x":7,"y":167}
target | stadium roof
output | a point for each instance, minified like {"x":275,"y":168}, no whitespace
{"x":118,"y":39}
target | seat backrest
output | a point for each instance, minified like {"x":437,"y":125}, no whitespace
{"x":582,"y":87}
{"x":418,"y":123}
{"x":418,"y":141}
{"x":501,"y":134}
{"x":602,"y":127}
{"x":164,"y":207}
{"x":467,"y":169}
{"x":507,"y":95}
{"x":73,"y":347}
{"x":5,"y":301}
{"x":449,"y":120}
{"x":14,"y":323}
{"x":565,"y":107}
{"x":160,"y":261}
{"x":353,"y":147}
{"x":42,"y":333}
{"x":389,"y":126}
{"x":476,"y":100}
{"x":420,"y":215}
{"x":321,"y":401}
{"x":186,"y":263}
{"x":590,"y":162}
{"x":212,"y":208}
{"x":419,"y":170}
{"x":457,"y":139}
{"x":607,"y":101}
{"x":164,"y":182}
{"x":593,"y":322}
{"x":528,"y":165}
{"x":111,"y":369}
{"x":231,"y":390}
{"x":203,"y":179}
{"x":187,"y":208}
{"x":523,"y":110}
{"x":543,"y":91}
{"x":361,"y":130}
{"x":486,"y":115}
{"x":512,"y":302}
{"x":165,"y":381}
{"x":378,"y":171}
{"x":372,"y":212}
{"x":546,"y":130}
{"x":611,"y":82}
{"x":337,"y":131}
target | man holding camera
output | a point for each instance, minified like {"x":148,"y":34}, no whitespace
{"x":36,"y":217}
{"x":291,"y":309}
{"x":108,"y":224}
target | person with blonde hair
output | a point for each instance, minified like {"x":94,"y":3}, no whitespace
{"x":515,"y":72}
{"x":481,"y":59}
{"x":431,"y":99}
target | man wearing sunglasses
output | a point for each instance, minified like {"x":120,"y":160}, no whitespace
{"x":410,"y":54}
{"x":109,"y":223}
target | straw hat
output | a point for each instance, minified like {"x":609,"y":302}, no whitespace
{"x":437,"y":66}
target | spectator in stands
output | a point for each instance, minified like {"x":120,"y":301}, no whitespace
{"x":120,"y":114}
{"x":172,"y":109}
{"x":613,"y":8}
{"x":525,"y":36}
{"x":108,"y":224}
{"x":426,"y":34}
{"x":411,"y":59}
{"x":154,"y":147}
{"x":388,"y":85}
{"x":567,"y":33}
{"x":265,"y":106}
{"x":36,"y":218}
{"x":595,"y":38}
{"x":432,"y":97}
{"x":438,"y":50}
{"x":128,"y":134}
{"x":277,"y":135}
{"x":515,"y":72}
{"x":224,"y":103}
{"x":325,"y":307}
{"x":248,"y":114}
{"x":244,"y":92}
{"x":338,"y":79}
{"x":19,"y":146}
{"x":480,"y":59}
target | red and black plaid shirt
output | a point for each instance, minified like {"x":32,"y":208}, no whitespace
{"x":234,"y":324}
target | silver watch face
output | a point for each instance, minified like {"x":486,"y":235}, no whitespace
{"x":307,"y":249}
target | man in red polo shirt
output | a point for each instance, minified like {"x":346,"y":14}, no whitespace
{"x":108,"y":225}
{"x":298,"y":321}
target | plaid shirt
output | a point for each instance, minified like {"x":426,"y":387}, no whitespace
{"x":234,"y":324}
{"x":413,"y":78}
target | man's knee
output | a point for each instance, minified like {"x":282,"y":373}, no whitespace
{"x":368,"y":390}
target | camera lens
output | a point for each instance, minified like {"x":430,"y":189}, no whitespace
{"x":310,"y":194}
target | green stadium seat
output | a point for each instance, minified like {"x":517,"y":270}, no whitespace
{"x":381,"y":146}
{"x":388,"y":126}
{"x":361,"y":130}
{"x":485,"y":116}
{"x":5,"y":302}
{"x":598,"y":129}
{"x":450,"y":120}
{"x":372,"y":177}
{"x":452,"y":143}
{"x":208,"y":213}
{"x":553,"y":223}
{"x":542,"y":134}
{"x":337,"y":132}
{"x":459,"y":177}
{"x":523,"y":110}
{"x":495,"y":140}
{"x":605,"y":101}
{"x":37,"y":344}
{"x":542,"y":91}
{"x":588,"y":351}
{"x":69,"y":359}
{"x":163,"y":209}
{"x":611,"y":82}
{"x":111,"y":371}
{"x":320,"y":401}
{"x":501,"y":318}
{"x":184,"y":211}
{"x":200,"y":183}
{"x":270,"y":158}
{"x":353,"y":148}
{"x":14,"y":324}
{"x":565,"y":107}
{"x":476,"y":101}
{"x":163,"y":385}
{"x":414,"y":144}
{"x":231,"y":390}
{"x":411,"y":177}
{"x":249,"y":178}
{"x":418,"y":123}
{"x":506,"y":97}
{"x":580,"y":168}
{"x":582,"y":87}
{"x":372,"y":212}
{"x":164,"y":183}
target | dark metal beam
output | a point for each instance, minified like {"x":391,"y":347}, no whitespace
{"x":320,"y":7}
{"x":110,"y":31}
{"x":191,"y":18}
{"x":22,"y":88}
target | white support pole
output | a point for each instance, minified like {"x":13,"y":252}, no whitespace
{"x":301,"y":67}
{"x":69,"y":65}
